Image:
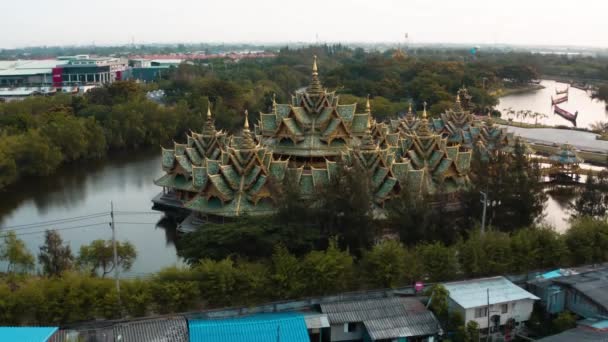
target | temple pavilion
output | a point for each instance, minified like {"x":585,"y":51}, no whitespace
{"x":216,"y":174}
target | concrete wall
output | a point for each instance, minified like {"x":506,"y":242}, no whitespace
{"x":338,"y":334}
{"x":518,"y":310}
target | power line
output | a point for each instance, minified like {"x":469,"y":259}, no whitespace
{"x":53,"y":222}
{"x":65,"y":228}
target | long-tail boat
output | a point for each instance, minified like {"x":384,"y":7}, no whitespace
{"x":563,"y":91}
{"x":559,"y":100}
{"x":566,"y":114}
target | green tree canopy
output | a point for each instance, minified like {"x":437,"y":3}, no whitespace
{"x":14,"y":252}
{"x":54,"y":257}
{"x":98,"y":256}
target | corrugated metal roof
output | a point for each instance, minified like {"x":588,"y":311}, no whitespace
{"x":361,"y":310}
{"x":578,"y":335}
{"x":171,"y":329}
{"x":101,"y":334}
{"x":316,"y":320}
{"x":420,"y":324}
{"x":473,"y":293}
{"x":26,"y":334}
{"x":284,"y":327}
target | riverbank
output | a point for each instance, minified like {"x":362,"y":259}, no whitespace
{"x":518,"y":90}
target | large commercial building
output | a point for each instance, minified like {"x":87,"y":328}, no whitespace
{"x":62,"y":71}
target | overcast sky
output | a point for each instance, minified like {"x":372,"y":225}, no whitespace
{"x":104,"y":22}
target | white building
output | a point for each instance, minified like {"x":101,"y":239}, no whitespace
{"x":496,"y":298}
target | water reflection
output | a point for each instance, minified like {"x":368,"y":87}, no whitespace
{"x":86,"y":187}
{"x":590,"y":110}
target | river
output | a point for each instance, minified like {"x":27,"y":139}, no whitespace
{"x":589,"y":110}
{"x":85,"y":188}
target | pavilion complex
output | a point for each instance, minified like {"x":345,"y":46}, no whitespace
{"x":308,"y":139}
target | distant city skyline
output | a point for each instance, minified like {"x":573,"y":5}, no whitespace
{"x":113,"y":22}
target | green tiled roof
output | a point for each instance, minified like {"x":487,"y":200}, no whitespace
{"x":359,"y":124}
{"x":213,"y":166}
{"x":184,"y":163}
{"x":180,"y":149}
{"x":277,"y":169}
{"x":199,"y":176}
{"x":463,"y":162}
{"x":231,"y":177}
{"x":320,"y":177}
{"x":194,"y":156}
{"x":347,"y":112}
{"x":300,"y":114}
{"x":168,"y":158}
{"x":386,"y":188}
{"x":221,"y":186}
{"x":269,"y":122}
{"x":378,"y":176}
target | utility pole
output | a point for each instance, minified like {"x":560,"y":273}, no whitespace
{"x":115,"y":251}
{"x":488,"y":309}
{"x":484,"y":201}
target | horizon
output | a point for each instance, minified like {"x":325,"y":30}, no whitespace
{"x":473,"y":22}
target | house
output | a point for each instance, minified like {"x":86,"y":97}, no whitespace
{"x":585,"y":293}
{"x":491,"y":302}
{"x":381,"y":319}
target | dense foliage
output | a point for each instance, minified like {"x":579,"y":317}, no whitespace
{"x":38,"y":134}
{"x":234,"y":280}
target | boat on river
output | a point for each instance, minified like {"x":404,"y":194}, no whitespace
{"x":563,"y":91}
{"x":566,"y":114}
{"x":558,"y":100}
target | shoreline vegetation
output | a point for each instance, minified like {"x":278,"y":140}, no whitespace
{"x":70,"y":296}
{"x":505,"y":91}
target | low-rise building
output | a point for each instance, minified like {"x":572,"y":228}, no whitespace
{"x":494,"y":303}
{"x":381,"y":319}
{"x":584,"y":293}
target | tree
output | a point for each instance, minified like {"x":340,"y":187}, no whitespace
{"x":472,"y":332}
{"x":328,"y":271}
{"x":344,"y":208}
{"x":564,"y":321}
{"x":98,"y":256}
{"x":485,"y":254}
{"x":14,"y":252}
{"x":593,"y":201}
{"x":384,"y":265}
{"x":537,"y":248}
{"x":587,"y":241}
{"x":54,"y":257}
{"x":438,"y":261}
{"x":285,"y":274}
{"x":438,"y":296}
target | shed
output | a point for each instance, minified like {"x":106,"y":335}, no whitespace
{"x":27,"y":334}
{"x":284,"y":327}
{"x":169,"y":329}
{"x":380,"y":318}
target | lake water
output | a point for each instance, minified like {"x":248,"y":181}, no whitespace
{"x":86,"y":188}
{"x":589,"y":110}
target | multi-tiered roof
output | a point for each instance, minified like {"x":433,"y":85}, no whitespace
{"x":217,"y":174}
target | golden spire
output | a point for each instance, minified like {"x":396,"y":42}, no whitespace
{"x":368,"y":107}
{"x":424,"y":111}
{"x":409,"y":109}
{"x":246,"y":126}
{"x":458,"y":98}
{"x":274,"y":102}
{"x":208,"y":109}
{"x":315,"y":85}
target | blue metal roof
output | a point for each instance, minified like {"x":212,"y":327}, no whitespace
{"x":26,"y":334}
{"x":280,"y":327}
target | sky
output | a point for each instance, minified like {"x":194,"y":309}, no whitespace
{"x":109,"y":22}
